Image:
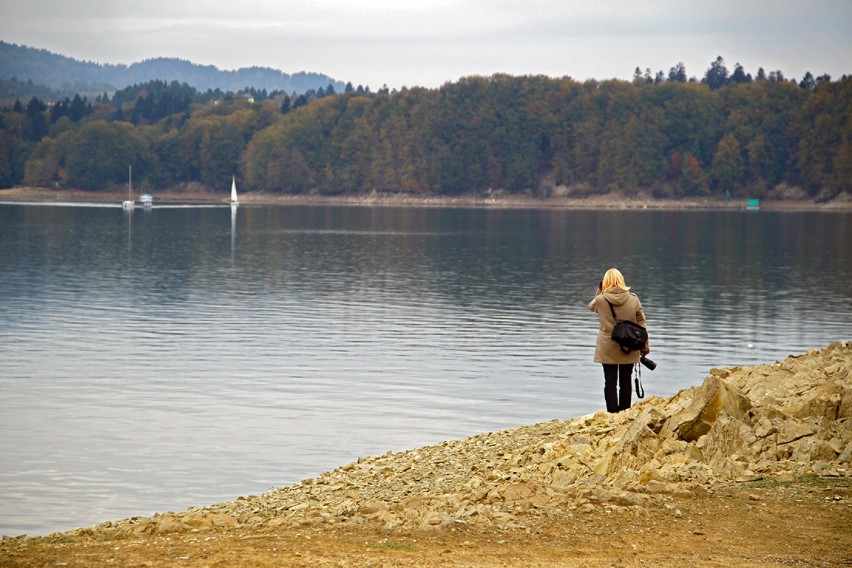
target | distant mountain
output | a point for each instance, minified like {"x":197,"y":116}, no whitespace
{"x":64,"y":73}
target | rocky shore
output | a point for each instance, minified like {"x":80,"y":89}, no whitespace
{"x":771,"y":426}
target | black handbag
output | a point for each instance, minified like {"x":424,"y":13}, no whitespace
{"x":629,"y":335}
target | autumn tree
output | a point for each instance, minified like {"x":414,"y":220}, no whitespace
{"x":728,"y":165}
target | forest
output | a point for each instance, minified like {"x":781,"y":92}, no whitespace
{"x":727,"y":134}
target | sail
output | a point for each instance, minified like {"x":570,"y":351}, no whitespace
{"x":234,"y":190}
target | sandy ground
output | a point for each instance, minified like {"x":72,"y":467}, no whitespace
{"x":198,"y":194}
{"x":807,"y":522}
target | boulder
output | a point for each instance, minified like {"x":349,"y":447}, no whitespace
{"x":713,"y":397}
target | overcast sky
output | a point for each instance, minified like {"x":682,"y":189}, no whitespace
{"x":429,"y":42}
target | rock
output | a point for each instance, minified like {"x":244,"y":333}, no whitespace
{"x":794,"y":430}
{"x":563,"y":480}
{"x":169,"y":524}
{"x":626,"y":499}
{"x":713,"y":397}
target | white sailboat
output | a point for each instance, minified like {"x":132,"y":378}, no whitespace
{"x":234,"y":200}
{"x":234,"y":204}
{"x":129,"y":203}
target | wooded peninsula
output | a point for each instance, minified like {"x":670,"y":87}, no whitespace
{"x":728,"y":135}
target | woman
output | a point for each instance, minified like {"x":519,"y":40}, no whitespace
{"x":617,"y":365}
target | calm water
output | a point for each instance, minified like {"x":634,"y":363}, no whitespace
{"x":157,"y":360}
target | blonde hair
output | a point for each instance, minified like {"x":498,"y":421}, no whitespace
{"x":613,"y":279}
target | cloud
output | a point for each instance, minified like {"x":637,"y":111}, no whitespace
{"x":429,"y":42}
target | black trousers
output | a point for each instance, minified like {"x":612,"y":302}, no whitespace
{"x":617,"y":389}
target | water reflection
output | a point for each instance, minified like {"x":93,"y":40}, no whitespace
{"x":279,"y":342}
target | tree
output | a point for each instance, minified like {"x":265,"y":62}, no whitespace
{"x":501,"y":132}
{"x":739,"y":75}
{"x":78,"y":108}
{"x":37,"y":124}
{"x":677,"y":74}
{"x":808,"y":82}
{"x":759,"y":162}
{"x":717,"y":75}
{"x":59,"y":109}
{"x":825,"y":146}
{"x":728,"y":165}
{"x":686,"y":175}
{"x":13,"y":155}
{"x":221,"y":145}
{"x":300,"y":101}
{"x":99,"y":153}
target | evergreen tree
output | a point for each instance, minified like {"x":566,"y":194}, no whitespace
{"x":78,"y":108}
{"x":37,"y":124}
{"x":808,"y":82}
{"x":677,"y":74}
{"x":717,"y":75}
{"x":739,"y":75}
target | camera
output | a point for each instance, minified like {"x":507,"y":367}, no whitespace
{"x":647,"y":362}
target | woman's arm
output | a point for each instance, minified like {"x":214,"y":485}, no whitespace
{"x":592,"y":304}
{"x":640,"y":319}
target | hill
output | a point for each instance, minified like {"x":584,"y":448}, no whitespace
{"x":752,"y":468}
{"x":65,"y":74}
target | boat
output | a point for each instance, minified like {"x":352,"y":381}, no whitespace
{"x":129,"y":203}
{"x":147,"y":200}
{"x":234,"y":200}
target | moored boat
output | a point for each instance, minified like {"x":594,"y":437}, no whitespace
{"x":128,"y":204}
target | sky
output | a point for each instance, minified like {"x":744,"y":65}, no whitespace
{"x":430,"y":42}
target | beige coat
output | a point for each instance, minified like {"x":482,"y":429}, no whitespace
{"x":627,"y":307}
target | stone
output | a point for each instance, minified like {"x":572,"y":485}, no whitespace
{"x":713,"y":397}
{"x":794,"y":430}
{"x":563,"y":480}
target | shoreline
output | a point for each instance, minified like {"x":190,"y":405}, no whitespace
{"x":599,"y":202}
{"x":752,"y":468}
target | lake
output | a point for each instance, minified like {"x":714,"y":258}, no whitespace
{"x":162,"y":359}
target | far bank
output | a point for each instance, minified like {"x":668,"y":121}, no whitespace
{"x":197,"y":194}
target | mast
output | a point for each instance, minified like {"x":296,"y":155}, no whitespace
{"x":128,"y":205}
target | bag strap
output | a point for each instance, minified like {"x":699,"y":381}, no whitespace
{"x":615,"y":317}
{"x":637,"y":380}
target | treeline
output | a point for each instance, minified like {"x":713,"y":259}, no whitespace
{"x":537,"y":135}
